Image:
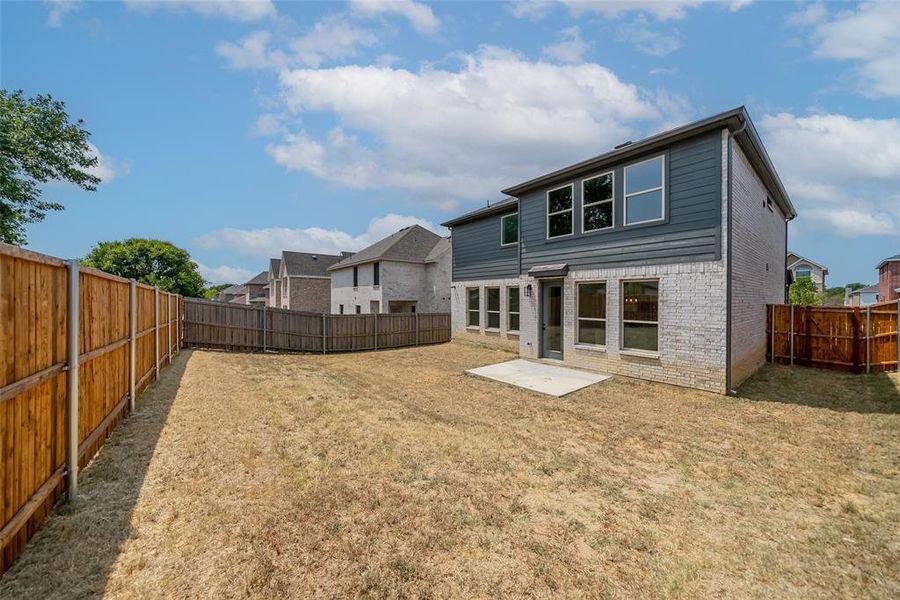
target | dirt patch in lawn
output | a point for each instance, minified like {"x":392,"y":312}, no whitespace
{"x":394,"y":474}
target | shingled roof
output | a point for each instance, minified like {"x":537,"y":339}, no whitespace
{"x":410,"y":244}
{"x":307,"y":264}
{"x":274,"y":267}
{"x":260,"y":279}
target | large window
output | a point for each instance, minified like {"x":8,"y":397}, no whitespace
{"x":493,"y":308}
{"x":597,"y":203}
{"x":592,"y":313}
{"x":640,"y":315}
{"x":644,"y":191}
{"x":559,"y":211}
{"x":473,"y":310}
{"x":512,"y":308}
{"x":509,"y":229}
{"x":803,"y":272}
{"x":376,"y":274}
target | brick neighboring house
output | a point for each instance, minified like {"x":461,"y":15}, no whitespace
{"x":804,"y":267}
{"x":889,"y":279}
{"x":304,"y":280}
{"x":256,"y":293}
{"x":230,"y":293}
{"x":273,"y":286}
{"x":654,"y":260}
{"x":407,"y":271}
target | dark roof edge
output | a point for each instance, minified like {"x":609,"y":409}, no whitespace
{"x":734,"y":119}
{"x":498,"y":207}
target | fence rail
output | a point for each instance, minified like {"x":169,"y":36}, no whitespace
{"x":844,"y":338}
{"x":75,"y":353}
{"x":238,"y":327}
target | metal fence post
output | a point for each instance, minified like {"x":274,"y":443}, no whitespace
{"x":132,"y":346}
{"x":868,"y":334}
{"x":156,"y":331}
{"x":72,"y":382}
{"x":376,"y":331}
{"x":792,"y":334}
{"x":264,"y":328}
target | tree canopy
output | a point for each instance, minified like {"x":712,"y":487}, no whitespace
{"x":153,"y":262}
{"x":38,"y":144}
{"x":804,"y":292}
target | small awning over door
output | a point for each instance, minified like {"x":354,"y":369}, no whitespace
{"x":558,"y":270}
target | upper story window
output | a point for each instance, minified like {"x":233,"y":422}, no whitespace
{"x":355,"y":276}
{"x":376,"y":274}
{"x":803,"y":272}
{"x":509,"y":229}
{"x":559,"y":211}
{"x":597,"y":203}
{"x":644,"y":191}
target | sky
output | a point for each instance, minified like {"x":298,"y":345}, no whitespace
{"x":237,"y":129}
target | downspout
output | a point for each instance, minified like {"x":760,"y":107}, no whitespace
{"x":728,"y":267}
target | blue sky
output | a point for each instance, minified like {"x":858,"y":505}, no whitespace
{"x":236,"y":129}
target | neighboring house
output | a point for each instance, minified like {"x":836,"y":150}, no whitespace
{"x":655,"y":260}
{"x":861,"y":297}
{"x":274,"y":283}
{"x":406,"y":272}
{"x":305,"y":283}
{"x":230,"y":293}
{"x":889,"y":279}
{"x":804,"y":267}
{"x":257,"y":294}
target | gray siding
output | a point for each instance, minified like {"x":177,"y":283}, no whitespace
{"x":477,"y":253}
{"x":690,"y":232}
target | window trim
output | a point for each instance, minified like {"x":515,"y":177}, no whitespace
{"x":516,"y":215}
{"x":578,"y":316}
{"x":548,"y":214}
{"x":612,"y":201}
{"x":662,"y":188}
{"x":623,"y":349}
{"x":488,"y":312}
{"x":469,"y":310}
{"x":510,"y":312}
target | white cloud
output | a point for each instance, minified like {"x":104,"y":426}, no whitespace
{"x":736,"y":5}
{"x":419,"y":15}
{"x":453,"y":134}
{"x":332,"y":38}
{"x":270,"y":241}
{"x":661,"y":10}
{"x":236,"y":10}
{"x":842,"y":173}
{"x":812,"y":14}
{"x":570,"y":50}
{"x":648,"y":40}
{"x":58,"y":9}
{"x":108,"y":168}
{"x":224,"y":274}
{"x":251,"y":53}
{"x":869,"y":35}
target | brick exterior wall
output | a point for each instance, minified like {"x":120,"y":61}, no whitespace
{"x":343,"y":292}
{"x":459,"y":330}
{"x":437,"y":284}
{"x":309,"y":294}
{"x":275,"y":293}
{"x":757,"y":275}
{"x":888,"y":281}
{"x":815,"y":273}
{"x":427,"y":285}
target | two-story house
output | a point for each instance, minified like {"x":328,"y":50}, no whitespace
{"x":273,"y":285}
{"x":256,"y":293}
{"x":408,"y":271}
{"x":801,"y":267}
{"x":654,"y":260}
{"x":303,"y":280}
{"x":889,"y":279}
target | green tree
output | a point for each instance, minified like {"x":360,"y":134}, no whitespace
{"x":153,"y":262}
{"x":37,"y":144}
{"x":803,"y":291}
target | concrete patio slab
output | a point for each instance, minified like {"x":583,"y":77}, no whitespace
{"x":539,"y":377}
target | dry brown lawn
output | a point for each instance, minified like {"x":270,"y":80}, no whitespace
{"x":393,"y":474}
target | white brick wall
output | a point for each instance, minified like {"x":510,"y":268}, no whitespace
{"x":758,"y":257}
{"x":427,"y":285}
{"x":503,"y":337}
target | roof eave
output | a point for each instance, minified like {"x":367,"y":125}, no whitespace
{"x":500,"y":207}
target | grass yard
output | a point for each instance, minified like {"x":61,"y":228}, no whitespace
{"x":393,"y":474}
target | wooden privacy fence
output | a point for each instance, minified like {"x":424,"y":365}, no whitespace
{"x":844,"y":338}
{"x":77,"y":346}
{"x":240,"y":327}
